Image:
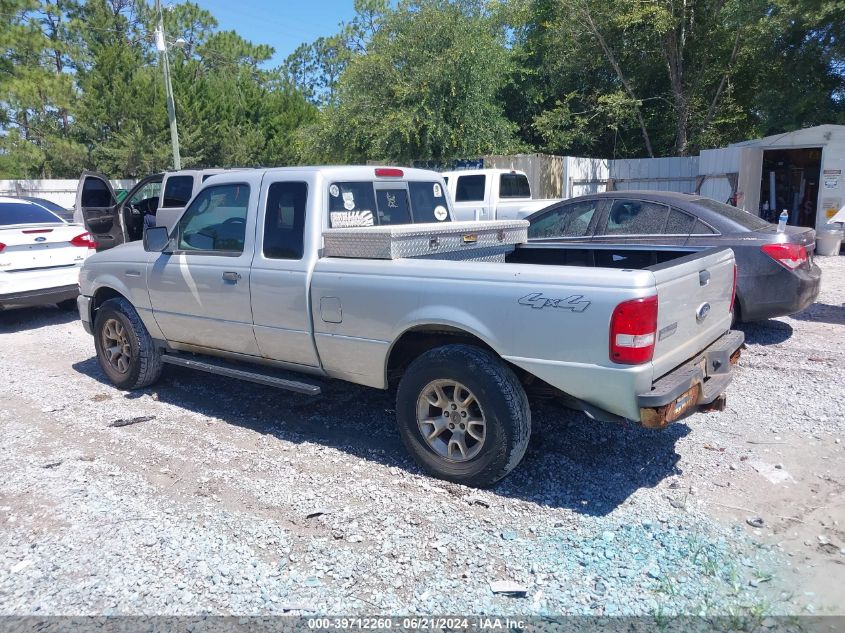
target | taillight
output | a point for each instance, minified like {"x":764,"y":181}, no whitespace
{"x":2,"y":246}
{"x":389,"y":172}
{"x":84,"y":240}
{"x":733,"y":293}
{"x":789,"y":256}
{"x":633,"y":330}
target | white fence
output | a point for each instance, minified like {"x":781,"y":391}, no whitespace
{"x":62,"y":192}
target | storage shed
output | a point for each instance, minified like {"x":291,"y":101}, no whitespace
{"x":799,"y":171}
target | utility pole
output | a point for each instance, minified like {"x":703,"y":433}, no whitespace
{"x":161,"y":46}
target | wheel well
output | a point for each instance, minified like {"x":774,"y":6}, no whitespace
{"x":101,"y":296}
{"x":419,"y":340}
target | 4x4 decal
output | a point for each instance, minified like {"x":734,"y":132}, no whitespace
{"x":536,"y":300}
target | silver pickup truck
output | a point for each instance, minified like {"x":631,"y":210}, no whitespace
{"x":318,"y":271}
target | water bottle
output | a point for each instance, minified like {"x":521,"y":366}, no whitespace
{"x":784,"y":216}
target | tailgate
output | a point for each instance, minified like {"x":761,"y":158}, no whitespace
{"x":39,"y":247}
{"x":694,"y":296}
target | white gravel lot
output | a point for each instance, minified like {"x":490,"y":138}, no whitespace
{"x":238,"y":499}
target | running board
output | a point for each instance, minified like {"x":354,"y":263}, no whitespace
{"x":241,"y":374}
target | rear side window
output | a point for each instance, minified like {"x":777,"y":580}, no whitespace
{"x":428,"y":202}
{"x":12,"y":213}
{"x":284,"y":221}
{"x":470,"y":188}
{"x":514,"y":186}
{"x":177,"y":191}
{"x":700,"y":228}
{"x":679,"y":223}
{"x":635,"y":217}
{"x":215,"y":220}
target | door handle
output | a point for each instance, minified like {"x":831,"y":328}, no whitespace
{"x":231,"y":276}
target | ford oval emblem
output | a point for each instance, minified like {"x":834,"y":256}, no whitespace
{"x":40,"y":239}
{"x":702,"y":312}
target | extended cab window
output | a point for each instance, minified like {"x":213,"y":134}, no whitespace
{"x":177,"y":191}
{"x":215,"y":220}
{"x":514,"y":186}
{"x":470,"y":188}
{"x":568,"y":220}
{"x":284,"y":221}
{"x":635,"y":217}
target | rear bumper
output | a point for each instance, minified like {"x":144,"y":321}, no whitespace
{"x":40,"y":296}
{"x":696,"y":383}
{"x":787,"y":292}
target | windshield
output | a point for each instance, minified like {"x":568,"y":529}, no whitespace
{"x":743,"y":218}
{"x":12,"y":213}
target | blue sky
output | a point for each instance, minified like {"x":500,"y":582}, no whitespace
{"x":283,"y":24}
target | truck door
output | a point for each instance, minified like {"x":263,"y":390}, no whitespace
{"x":97,"y":208}
{"x":279,"y":281}
{"x":199,"y":290}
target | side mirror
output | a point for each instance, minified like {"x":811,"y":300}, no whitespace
{"x":156,"y":239}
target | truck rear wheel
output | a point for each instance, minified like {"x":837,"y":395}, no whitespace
{"x":125,"y":350}
{"x":463,"y":415}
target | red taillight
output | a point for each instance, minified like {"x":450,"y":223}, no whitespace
{"x":84,"y":240}
{"x":789,"y":256}
{"x":389,"y":172}
{"x":633,"y":330}
{"x":733,"y":293}
{"x":2,"y":246}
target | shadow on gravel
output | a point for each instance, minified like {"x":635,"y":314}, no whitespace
{"x":769,"y":332}
{"x":20,"y":319}
{"x":573,"y":462}
{"x":823,"y":313}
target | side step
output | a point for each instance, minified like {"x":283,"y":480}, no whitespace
{"x":242,"y":374}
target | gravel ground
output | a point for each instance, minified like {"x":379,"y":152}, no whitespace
{"x":231,"y":498}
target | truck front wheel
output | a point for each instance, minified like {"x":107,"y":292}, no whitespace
{"x":127,"y":353}
{"x":463,"y":415}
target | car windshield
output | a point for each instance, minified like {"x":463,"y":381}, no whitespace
{"x":12,"y":213}
{"x":743,"y":218}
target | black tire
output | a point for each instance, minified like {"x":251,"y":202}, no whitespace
{"x":68,"y":305}
{"x":500,"y":397}
{"x":144,"y":367}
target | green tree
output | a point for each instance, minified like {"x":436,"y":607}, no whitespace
{"x":424,"y":86}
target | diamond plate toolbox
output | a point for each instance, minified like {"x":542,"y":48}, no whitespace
{"x":419,"y":240}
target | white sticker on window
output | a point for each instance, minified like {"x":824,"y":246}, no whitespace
{"x":438,"y":192}
{"x":348,"y":200}
{"x":349,"y":219}
{"x":334,"y":191}
{"x":440,"y":213}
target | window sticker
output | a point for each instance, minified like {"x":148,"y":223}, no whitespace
{"x":440,"y":212}
{"x":350,"y":219}
{"x":438,"y":192}
{"x":348,"y":200}
{"x":391,"y":201}
{"x":334,"y":191}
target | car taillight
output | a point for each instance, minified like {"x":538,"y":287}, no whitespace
{"x":633,"y":330}
{"x":2,"y":246}
{"x":733,"y":293}
{"x":84,"y":240}
{"x":789,"y":256}
{"x":389,"y":172}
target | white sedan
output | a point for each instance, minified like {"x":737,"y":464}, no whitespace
{"x":40,"y":255}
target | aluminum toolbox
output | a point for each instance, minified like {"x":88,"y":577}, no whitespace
{"x":425,"y":240}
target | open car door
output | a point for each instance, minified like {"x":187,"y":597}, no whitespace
{"x":99,"y":210}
